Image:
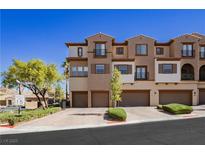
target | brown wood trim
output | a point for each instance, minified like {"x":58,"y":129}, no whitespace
{"x":163,"y":43}
{"x":183,"y":90}
{"x":120,"y":43}
{"x":100,"y":42}
{"x":184,"y":43}
{"x":76,"y":59}
{"x":168,"y":59}
{"x":79,"y":76}
{"x":76,"y":44}
{"x":79,"y":91}
{"x":122,"y":59}
{"x":141,"y":90}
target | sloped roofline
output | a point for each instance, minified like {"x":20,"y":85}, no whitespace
{"x":100,"y":34}
{"x":186,"y":35}
{"x":139,"y":36}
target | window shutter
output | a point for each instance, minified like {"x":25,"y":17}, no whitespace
{"x":160,"y":68}
{"x":174,"y":68}
{"x":92,"y":68}
{"x":107,"y":68}
{"x":129,"y":67}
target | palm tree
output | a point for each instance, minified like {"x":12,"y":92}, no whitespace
{"x":66,"y":65}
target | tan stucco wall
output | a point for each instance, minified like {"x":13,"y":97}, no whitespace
{"x":154,"y":89}
{"x":99,"y":81}
{"x":166,"y":51}
{"x":96,"y":82}
{"x":116,"y":56}
{"x":143,"y":60}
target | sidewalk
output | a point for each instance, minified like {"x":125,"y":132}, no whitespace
{"x":74,"y":118}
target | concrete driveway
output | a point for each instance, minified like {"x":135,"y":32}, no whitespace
{"x":95,"y":117}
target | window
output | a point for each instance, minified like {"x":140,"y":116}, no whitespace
{"x":119,"y":50}
{"x":141,"y":73}
{"x":141,"y":49}
{"x":80,"y":51}
{"x":100,"y":49}
{"x":159,"y":51}
{"x":202,"y":52}
{"x":99,"y":69}
{"x":122,"y":68}
{"x":74,"y":71}
{"x":167,"y":68}
{"x":79,"y":71}
{"x":187,"y":50}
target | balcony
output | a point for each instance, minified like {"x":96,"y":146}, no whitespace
{"x":187,"y":76}
{"x":187,"y":53}
{"x":141,"y":76}
{"x":80,"y":74}
{"x":100,"y":53}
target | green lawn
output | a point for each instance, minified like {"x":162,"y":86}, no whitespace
{"x":13,"y":118}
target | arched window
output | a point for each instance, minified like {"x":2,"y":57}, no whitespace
{"x":187,"y":72}
{"x":202,"y":73}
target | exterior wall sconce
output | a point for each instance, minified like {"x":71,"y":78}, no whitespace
{"x":155,"y":92}
{"x":194,"y":93}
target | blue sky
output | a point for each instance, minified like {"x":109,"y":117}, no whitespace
{"x":27,"y":34}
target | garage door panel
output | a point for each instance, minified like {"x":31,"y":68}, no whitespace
{"x":100,"y":99}
{"x":135,"y":98}
{"x":181,"y":97}
{"x":202,"y":97}
{"x":79,"y":99}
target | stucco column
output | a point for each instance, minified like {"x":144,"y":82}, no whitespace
{"x":89,"y":99}
{"x":195,"y":96}
{"x":70,"y":97}
{"x":154,"y":97}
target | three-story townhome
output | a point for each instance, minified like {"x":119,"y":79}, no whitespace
{"x":152,"y":72}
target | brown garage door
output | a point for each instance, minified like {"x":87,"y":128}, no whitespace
{"x":175,"y":96}
{"x":100,"y":99}
{"x":135,"y":98}
{"x":79,"y":99}
{"x":201,"y":96}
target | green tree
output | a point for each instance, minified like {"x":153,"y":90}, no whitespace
{"x":66,"y":67}
{"x":116,"y":87}
{"x":34,"y":75}
{"x":59,"y":93}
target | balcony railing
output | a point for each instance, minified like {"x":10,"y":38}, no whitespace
{"x":100,"y":53}
{"x":187,"y":76}
{"x":187,"y":53}
{"x":141,"y":76}
{"x":80,"y":74}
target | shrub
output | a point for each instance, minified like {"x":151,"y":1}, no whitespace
{"x":175,"y":108}
{"x":159,"y":106}
{"x":117,"y":113}
{"x":26,"y":115}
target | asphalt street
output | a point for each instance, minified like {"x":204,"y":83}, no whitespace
{"x":177,"y":132}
